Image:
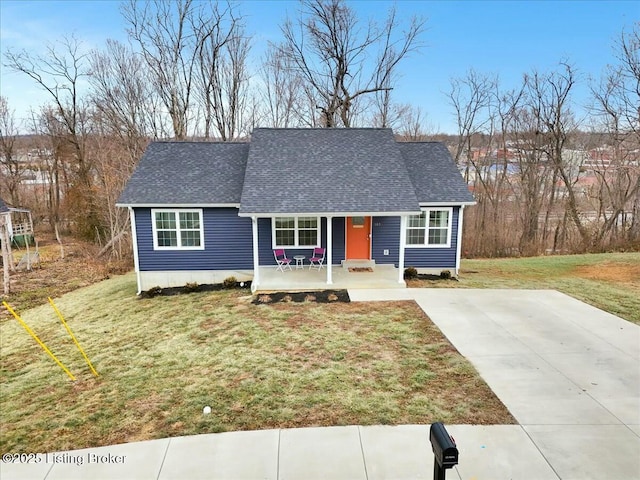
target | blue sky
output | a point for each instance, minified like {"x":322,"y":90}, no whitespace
{"x":507,"y":38}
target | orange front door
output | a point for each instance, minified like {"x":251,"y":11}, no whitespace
{"x":358,"y":238}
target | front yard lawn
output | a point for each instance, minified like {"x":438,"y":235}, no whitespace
{"x":162,"y":359}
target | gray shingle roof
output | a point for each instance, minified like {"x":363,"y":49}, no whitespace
{"x":3,"y":207}
{"x":318,"y":171}
{"x":326,"y":171}
{"x":187,"y":173}
{"x":435,"y":177}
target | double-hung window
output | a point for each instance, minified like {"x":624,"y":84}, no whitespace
{"x":177,"y":229}
{"x":296,"y":232}
{"x":432,"y":228}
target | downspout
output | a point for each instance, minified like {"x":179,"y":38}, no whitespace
{"x":256,"y":259}
{"x":134,"y":239}
{"x":459,"y":238}
{"x":403,"y":241}
{"x":329,"y":250}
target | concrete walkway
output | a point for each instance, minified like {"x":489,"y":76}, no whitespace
{"x":569,"y":373}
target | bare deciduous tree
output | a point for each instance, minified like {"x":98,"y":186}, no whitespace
{"x":11,"y":168}
{"x":534,"y":186}
{"x":411,"y":123}
{"x":282,"y":92}
{"x":126,"y":116}
{"x":62,"y":72}
{"x":551,"y":104}
{"x":475,"y":102}
{"x":222,"y":48}
{"x":161,"y":29}
{"x":122,"y":94}
{"x":51,"y":152}
{"x":471,"y":97}
{"x":196,"y":53}
{"x":332,"y":53}
{"x":230,"y":93}
{"x":616,"y":108}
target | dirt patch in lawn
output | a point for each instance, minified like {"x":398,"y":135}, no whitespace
{"x":626,"y":273}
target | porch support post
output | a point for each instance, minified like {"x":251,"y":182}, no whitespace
{"x":329,"y":250}
{"x":403,"y":241}
{"x":256,"y":259}
{"x":459,"y":238}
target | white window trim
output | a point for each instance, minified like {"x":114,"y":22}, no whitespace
{"x":176,"y":211}
{"x":296,"y":231}
{"x":426,"y":229}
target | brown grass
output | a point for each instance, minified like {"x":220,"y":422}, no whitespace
{"x":282,"y":365}
{"x":610,"y":272}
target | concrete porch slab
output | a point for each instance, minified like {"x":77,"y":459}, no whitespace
{"x":301,"y":279}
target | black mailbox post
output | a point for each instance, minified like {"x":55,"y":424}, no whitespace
{"x":444,"y":448}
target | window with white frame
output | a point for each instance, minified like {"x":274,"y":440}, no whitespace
{"x":177,"y":229}
{"x":296,"y":232}
{"x":430,"y":229}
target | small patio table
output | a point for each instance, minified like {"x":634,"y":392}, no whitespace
{"x":299,"y":261}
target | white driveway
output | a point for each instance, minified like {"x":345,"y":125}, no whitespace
{"x":568,"y":372}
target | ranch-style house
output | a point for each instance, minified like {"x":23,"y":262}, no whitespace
{"x":355,"y":199}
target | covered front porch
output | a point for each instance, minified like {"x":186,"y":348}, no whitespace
{"x":380,"y":276}
{"x":347,"y":238}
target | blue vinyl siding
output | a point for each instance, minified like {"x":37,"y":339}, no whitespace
{"x":385,"y":234}
{"x":339,"y":240}
{"x":227,"y":244}
{"x":265,"y":249}
{"x":435,"y":257}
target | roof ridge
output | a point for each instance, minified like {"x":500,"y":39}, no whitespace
{"x":203,"y":142}
{"x":328,"y":129}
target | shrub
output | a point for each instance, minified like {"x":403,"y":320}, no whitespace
{"x":230,"y":282}
{"x":154,"y":291}
{"x":190,"y":287}
{"x":445,"y":275}
{"x":410,"y":273}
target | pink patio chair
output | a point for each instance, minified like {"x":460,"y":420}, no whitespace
{"x":282,"y":260}
{"x":317,"y":259}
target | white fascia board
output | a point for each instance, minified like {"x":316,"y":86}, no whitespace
{"x":178,"y":205}
{"x":446,"y":204}
{"x":332,"y":214}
